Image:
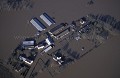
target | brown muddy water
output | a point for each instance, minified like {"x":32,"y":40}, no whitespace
{"x":103,"y":62}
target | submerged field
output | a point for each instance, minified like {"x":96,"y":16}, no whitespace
{"x":102,"y":62}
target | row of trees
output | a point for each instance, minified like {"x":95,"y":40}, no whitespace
{"x":108,"y":19}
{"x":15,"y":4}
{"x":5,"y":73}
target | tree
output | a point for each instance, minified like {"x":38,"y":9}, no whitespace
{"x":15,"y":4}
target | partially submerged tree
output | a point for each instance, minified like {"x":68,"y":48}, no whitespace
{"x":90,"y":2}
{"x":5,"y":73}
{"x":15,"y":4}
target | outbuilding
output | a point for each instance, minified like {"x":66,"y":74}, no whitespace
{"x":37,"y":24}
{"x":47,"y":19}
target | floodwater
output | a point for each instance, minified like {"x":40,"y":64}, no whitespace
{"x":102,"y":62}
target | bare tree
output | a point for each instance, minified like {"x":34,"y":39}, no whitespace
{"x":15,"y":4}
